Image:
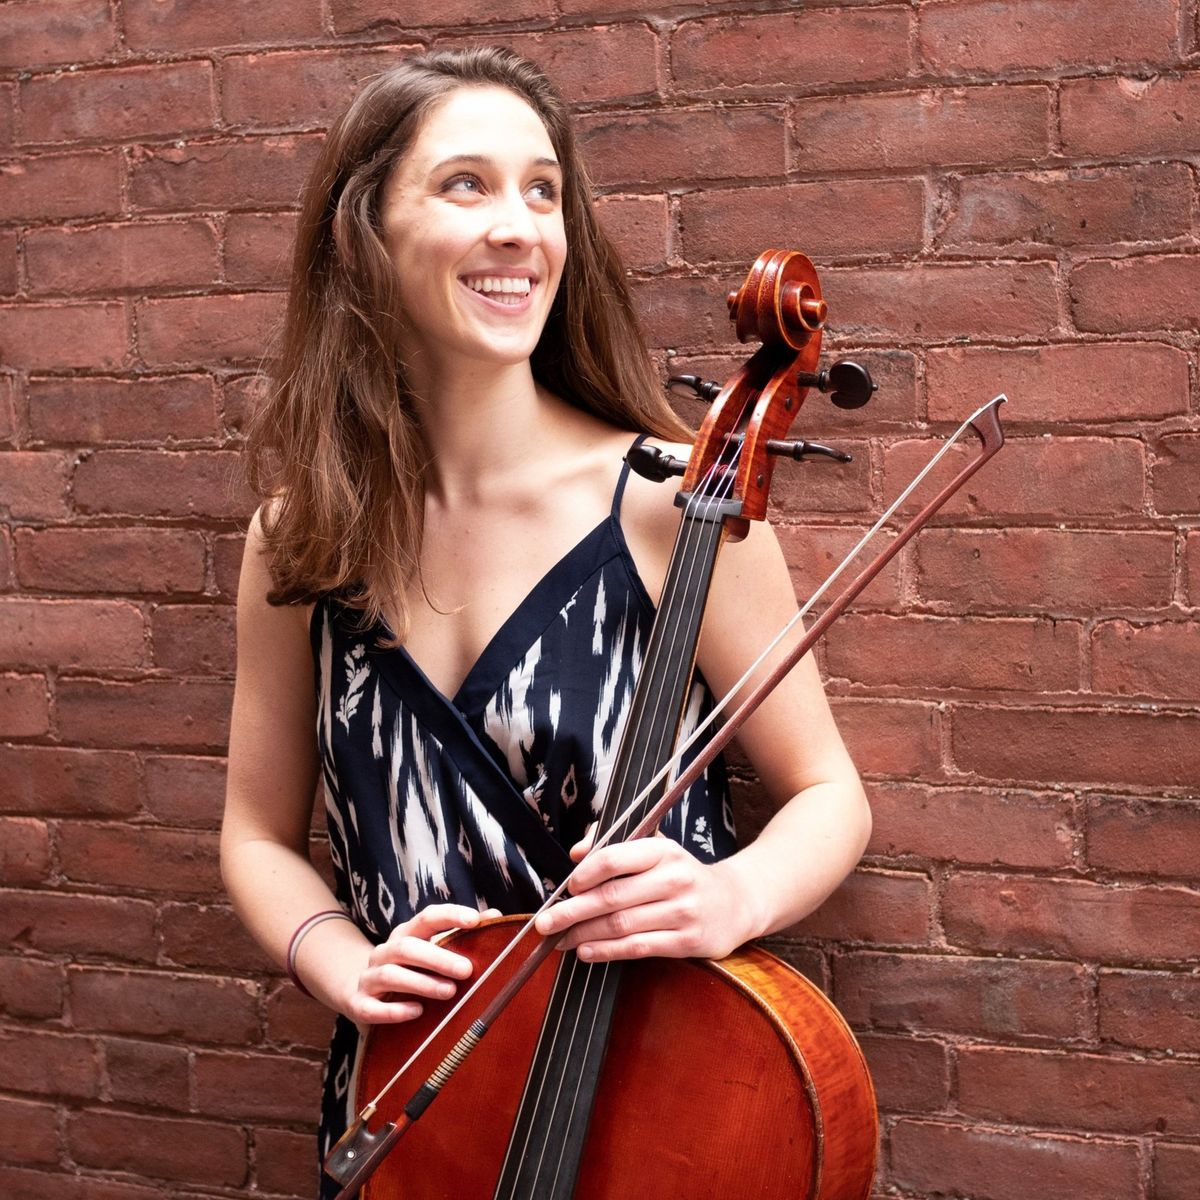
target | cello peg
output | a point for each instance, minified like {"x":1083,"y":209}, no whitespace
{"x":849,"y":383}
{"x":706,"y":389}
{"x":802,"y":450}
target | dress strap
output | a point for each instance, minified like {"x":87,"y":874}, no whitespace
{"x":623,"y":478}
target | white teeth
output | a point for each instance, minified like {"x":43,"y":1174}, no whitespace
{"x":499,"y":283}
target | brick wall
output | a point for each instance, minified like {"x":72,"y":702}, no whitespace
{"x":1000,"y":196}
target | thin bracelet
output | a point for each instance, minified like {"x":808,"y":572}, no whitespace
{"x":304,"y":928}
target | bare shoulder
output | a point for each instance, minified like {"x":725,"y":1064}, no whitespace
{"x":255,"y":613}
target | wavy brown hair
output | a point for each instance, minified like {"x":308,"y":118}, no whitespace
{"x":335,"y":449}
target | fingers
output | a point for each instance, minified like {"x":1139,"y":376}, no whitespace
{"x":437,"y":918}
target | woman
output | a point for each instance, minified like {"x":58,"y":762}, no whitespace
{"x":452,"y":576}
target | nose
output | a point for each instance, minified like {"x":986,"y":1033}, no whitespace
{"x":513,"y":223}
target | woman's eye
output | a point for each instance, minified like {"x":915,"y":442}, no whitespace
{"x":545,"y":190}
{"x":462,"y":183}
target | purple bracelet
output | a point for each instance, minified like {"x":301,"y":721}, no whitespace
{"x":330,"y":914}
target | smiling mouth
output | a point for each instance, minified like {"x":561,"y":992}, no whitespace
{"x":501,"y":289}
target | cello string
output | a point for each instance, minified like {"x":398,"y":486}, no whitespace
{"x":689,"y":556}
{"x":369,"y":1109}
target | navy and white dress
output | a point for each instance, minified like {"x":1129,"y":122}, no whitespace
{"x":474,"y":799}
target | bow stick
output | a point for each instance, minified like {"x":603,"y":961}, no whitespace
{"x":359,"y":1151}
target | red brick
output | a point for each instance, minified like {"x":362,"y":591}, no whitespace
{"x":48,"y":1064}
{"x":30,"y":987}
{"x":955,"y":1159}
{"x":973,"y":37}
{"x":813,"y":552}
{"x":1052,"y":478}
{"x":984,"y":997}
{"x":52,"y":336}
{"x":772,"y":53}
{"x":1147,"y":660}
{"x":883,"y":907}
{"x":944,"y":300}
{"x":57,"y":781}
{"x":190,"y":1151}
{"x":1154,"y":292}
{"x":249,"y":173}
{"x":104,"y":259}
{"x":1147,"y":117}
{"x":210,"y":937}
{"x":185,"y":25}
{"x":910,"y":1074}
{"x":1059,"y":383}
{"x":1176,"y":1169}
{"x":1014,"y":828}
{"x":147,"y":1073}
{"x":70,"y":633}
{"x":639,"y":226}
{"x":240,"y":398}
{"x":6,"y":576}
{"x":28,"y":1132}
{"x":834,"y":218}
{"x":16,"y":1184}
{"x":185,"y":791}
{"x":140,"y":858}
{"x":802,"y":493}
{"x":53,"y":186}
{"x":1150,"y":1009}
{"x":285,"y":1162}
{"x":1192,"y":567}
{"x":188,"y":1008}
{"x":1143,"y":836}
{"x":8,"y":97}
{"x":1176,"y":475}
{"x":156,"y":713}
{"x":54,"y":923}
{"x":24,"y":851}
{"x":296,"y":89}
{"x":1080,"y":1090}
{"x":368,"y":16}
{"x":161,"y":483}
{"x":71,"y":31}
{"x":35,"y":484}
{"x":257,"y":1086}
{"x":8,"y":263}
{"x":207,"y":329}
{"x":1078,"y":207}
{"x":227,"y":561}
{"x":613,"y":62}
{"x":8,"y":397}
{"x":1074,"y":918}
{"x":1076,"y":570}
{"x":194,"y":639}
{"x":932,"y":653}
{"x":95,"y":411}
{"x":118,"y":103}
{"x":684,"y":145}
{"x":124,"y":561}
{"x":295,"y":1020}
{"x":929,"y":128}
{"x":258,"y":249}
{"x":24,"y":705}
{"x":891,"y":737}
{"x":682,"y":313}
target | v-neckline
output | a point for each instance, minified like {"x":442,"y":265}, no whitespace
{"x":536,"y":609}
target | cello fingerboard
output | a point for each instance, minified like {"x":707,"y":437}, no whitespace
{"x":547,"y":1142}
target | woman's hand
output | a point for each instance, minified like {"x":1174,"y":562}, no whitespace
{"x":651,"y":897}
{"x":410,"y":965}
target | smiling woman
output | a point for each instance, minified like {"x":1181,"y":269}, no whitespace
{"x":449,"y":589}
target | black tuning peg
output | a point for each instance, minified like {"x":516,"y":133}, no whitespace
{"x":849,"y":383}
{"x":652,"y":463}
{"x":706,"y":389}
{"x":802,"y":450}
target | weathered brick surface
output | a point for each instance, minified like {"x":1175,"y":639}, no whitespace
{"x":1000,"y":196}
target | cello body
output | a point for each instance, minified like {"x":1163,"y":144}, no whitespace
{"x":728,"y":1080}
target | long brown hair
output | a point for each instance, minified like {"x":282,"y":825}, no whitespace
{"x":335,"y":450}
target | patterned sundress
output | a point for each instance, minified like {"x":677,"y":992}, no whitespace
{"x":475,"y":799}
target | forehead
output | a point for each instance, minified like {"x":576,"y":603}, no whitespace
{"x":484,"y":121}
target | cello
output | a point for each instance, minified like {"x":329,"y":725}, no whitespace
{"x":734,"y":1078}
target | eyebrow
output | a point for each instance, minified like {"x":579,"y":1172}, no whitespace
{"x":484,"y":160}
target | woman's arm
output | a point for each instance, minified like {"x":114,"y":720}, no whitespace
{"x":272,"y":781}
{"x":653,"y":897}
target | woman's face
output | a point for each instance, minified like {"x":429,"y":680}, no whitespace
{"x":472,"y":220}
